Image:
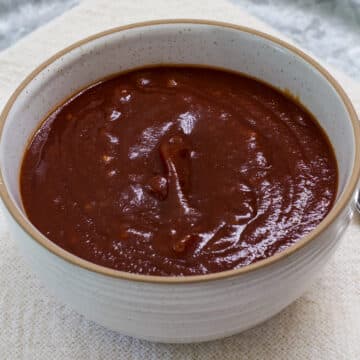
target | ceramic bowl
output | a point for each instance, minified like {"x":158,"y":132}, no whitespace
{"x":192,"y":308}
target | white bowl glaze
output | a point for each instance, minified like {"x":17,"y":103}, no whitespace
{"x":195,"y":308}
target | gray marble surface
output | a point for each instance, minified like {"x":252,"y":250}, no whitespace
{"x":19,"y":17}
{"x":328,"y":28}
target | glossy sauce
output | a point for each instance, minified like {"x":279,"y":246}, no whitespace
{"x":178,"y":171}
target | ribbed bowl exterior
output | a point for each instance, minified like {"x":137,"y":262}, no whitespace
{"x":181,"y":313}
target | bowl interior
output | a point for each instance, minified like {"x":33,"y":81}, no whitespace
{"x":172,"y":43}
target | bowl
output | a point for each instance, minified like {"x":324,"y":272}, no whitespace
{"x":191,"y":308}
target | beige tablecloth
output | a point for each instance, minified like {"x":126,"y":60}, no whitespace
{"x":323,"y":324}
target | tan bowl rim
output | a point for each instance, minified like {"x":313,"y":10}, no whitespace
{"x":343,"y":201}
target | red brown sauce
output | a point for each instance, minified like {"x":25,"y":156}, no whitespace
{"x":178,"y":171}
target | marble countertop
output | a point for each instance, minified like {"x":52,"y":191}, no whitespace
{"x":19,"y":17}
{"x":330,"y":29}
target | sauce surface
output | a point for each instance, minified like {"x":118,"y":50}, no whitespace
{"x":178,"y":171}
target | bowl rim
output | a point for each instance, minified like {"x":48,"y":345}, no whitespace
{"x":47,"y":244}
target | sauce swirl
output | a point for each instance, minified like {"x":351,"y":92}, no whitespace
{"x":178,"y":171}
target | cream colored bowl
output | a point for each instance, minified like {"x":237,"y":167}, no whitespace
{"x":193,"y":308}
